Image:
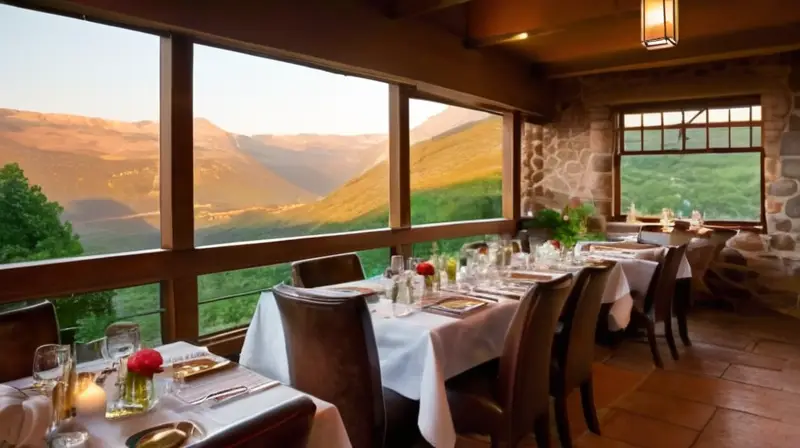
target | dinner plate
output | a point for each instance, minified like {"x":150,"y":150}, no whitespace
{"x":145,"y":437}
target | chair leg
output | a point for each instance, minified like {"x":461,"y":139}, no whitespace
{"x":640,"y":320}
{"x":562,"y":421}
{"x":589,"y":410}
{"x":668,"y":334}
{"x":651,"y":339}
{"x":683,"y":327}
{"x":541,"y":429}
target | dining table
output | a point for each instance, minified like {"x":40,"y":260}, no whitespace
{"x":418,"y":352}
{"x":327,"y":429}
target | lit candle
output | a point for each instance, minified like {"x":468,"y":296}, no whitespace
{"x":91,"y":400}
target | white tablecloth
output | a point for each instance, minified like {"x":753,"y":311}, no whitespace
{"x":417,"y":354}
{"x":327,"y":430}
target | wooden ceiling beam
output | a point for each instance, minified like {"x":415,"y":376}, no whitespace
{"x":761,"y":41}
{"x":491,"y":18}
{"x":347,"y":37}
{"x":576,"y":29}
{"x":699,"y":22}
{"x":401,"y":9}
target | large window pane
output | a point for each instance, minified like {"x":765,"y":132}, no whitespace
{"x":456,"y":163}
{"x":84,"y":317}
{"x":285,"y":150}
{"x":228,"y":299}
{"x":721,"y":186}
{"x":79,"y":138}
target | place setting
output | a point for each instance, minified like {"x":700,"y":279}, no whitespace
{"x":125,"y":391}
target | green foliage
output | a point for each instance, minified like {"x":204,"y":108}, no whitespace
{"x":31,"y":229}
{"x":568,"y":226}
{"x":721,"y":186}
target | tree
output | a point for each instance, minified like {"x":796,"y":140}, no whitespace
{"x":31,"y":229}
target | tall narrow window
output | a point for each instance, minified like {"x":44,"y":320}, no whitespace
{"x":456,"y":163}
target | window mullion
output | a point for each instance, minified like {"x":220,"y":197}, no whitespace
{"x":178,"y":294}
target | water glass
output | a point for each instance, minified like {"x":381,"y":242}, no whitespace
{"x":398,"y":264}
{"x":49,"y":362}
{"x":52,"y":368}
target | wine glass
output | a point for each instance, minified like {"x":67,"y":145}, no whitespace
{"x":398,"y":264}
{"x":51,"y":373}
{"x":49,"y":362}
{"x":122,"y":340}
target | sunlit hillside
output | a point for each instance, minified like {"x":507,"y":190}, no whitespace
{"x":468,"y":153}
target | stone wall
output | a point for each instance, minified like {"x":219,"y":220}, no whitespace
{"x":572,"y":156}
{"x":783,"y":195}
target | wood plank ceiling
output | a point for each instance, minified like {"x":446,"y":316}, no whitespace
{"x":575,"y":37}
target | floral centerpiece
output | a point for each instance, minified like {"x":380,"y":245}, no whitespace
{"x":138,"y":388}
{"x":566,"y":226}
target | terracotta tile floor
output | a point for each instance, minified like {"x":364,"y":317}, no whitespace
{"x":738,"y":385}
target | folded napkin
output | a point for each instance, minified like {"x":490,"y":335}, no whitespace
{"x":236,"y":377}
{"x":23,"y":420}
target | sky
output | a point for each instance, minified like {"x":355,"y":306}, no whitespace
{"x":54,"y":64}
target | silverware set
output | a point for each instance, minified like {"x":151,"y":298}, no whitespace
{"x":229,"y":394}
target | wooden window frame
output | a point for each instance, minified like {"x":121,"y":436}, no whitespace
{"x":179,"y":261}
{"x":683,"y":106}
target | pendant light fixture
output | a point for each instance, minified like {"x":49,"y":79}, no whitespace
{"x":659,"y":24}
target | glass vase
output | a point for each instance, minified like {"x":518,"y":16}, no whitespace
{"x":138,"y":391}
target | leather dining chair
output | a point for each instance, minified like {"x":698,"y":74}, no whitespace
{"x":22,"y":330}
{"x":652,"y":234}
{"x":508,"y":398}
{"x":332,"y":355}
{"x":573,"y":348}
{"x":325,"y":271}
{"x":286,"y":426}
{"x":657,"y":304}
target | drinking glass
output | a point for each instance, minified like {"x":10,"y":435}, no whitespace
{"x":398,"y":264}
{"x":51,"y":371}
{"x":122,"y":340}
{"x":49,"y":362}
{"x":412,"y":263}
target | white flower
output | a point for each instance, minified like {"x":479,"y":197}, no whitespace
{"x":566,"y":217}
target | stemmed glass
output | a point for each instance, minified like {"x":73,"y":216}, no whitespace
{"x":51,"y":371}
{"x":49,"y":362}
{"x":121,"y":341}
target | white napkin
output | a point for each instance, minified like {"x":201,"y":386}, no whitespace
{"x":23,"y":420}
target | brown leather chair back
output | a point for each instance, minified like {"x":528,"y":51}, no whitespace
{"x":330,"y":346}
{"x":325,"y":271}
{"x":574,"y":348}
{"x":524,"y":377}
{"x":22,"y":330}
{"x":286,"y":426}
{"x":662,"y":287}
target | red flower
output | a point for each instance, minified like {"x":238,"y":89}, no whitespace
{"x":425,"y":269}
{"x":146,"y":362}
{"x":556,"y":244}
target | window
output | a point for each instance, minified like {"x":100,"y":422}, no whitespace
{"x":456,"y":163}
{"x":284,"y":150}
{"x":79,"y":138}
{"x":84,"y":317}
{"x":692,"y":158}
{"x":228,"y":299}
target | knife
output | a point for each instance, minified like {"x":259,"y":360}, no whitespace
{"x":218,"y":400}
